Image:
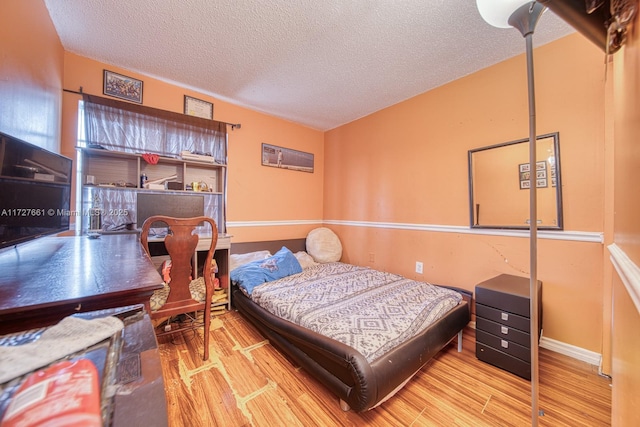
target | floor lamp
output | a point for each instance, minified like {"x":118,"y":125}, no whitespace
{"x":524,"y":15}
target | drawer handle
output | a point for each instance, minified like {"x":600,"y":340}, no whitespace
{"x":504,"y":316}
{"x":504,"y":330}
{"x":504,"y":344}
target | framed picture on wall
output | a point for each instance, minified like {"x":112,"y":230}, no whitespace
{"x":524,"y":172}
{"x":198,"y":108}
{"x":122,"y":87}
{"x":286,"y":158}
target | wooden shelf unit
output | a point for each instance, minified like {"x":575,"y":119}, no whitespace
{"x":123,"y":170}
{"x":112,"y":179}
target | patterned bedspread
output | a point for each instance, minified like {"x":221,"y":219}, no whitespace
{"x":369,"y":310}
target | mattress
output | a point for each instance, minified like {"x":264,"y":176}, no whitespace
{"x":369,"y":310}
{"x":362,"y":332}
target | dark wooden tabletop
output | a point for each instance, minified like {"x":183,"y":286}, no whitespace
{"x":47,"y":279}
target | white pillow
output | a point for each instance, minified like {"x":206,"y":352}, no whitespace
{"x":305,"y":259}
{"x":236,"y":260}
{"x":324,"y":245}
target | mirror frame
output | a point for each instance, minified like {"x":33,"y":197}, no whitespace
{"x":558,"y":187}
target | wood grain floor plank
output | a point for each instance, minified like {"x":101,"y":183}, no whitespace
{"x":247,"y":382}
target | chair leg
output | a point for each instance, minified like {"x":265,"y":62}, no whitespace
{"x":207,"y":324}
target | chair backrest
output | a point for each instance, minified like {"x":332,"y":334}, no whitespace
{"x":181,"y":242}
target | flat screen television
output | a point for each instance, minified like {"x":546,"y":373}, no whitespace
{"x":35,"y":191}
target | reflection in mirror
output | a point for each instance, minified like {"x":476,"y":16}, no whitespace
{"x":499,"y":182}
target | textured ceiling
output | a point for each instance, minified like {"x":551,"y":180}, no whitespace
{"x":317,"y":63}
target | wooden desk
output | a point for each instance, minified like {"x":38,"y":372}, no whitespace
{"x":140,"y":401}
{"x":47,"y":279}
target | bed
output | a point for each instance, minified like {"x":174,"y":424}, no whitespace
{"x":352,"y":357}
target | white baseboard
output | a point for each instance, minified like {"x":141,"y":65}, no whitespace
{"x":578,"y":353}
{"x":572,"y":351}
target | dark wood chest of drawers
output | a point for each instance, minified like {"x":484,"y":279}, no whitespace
{"x":503,"y":323}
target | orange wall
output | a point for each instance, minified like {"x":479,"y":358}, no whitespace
{"x":401,"y":163}
{"x":627,"y":147}
{"x":407,"y":164}
{"x":626,"y":316}
{"x":256,"y":193}
{"x":31,"y":59}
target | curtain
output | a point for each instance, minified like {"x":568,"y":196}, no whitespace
{"x":123,"y":126}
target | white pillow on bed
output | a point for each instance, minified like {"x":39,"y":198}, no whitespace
{"x":305,"y":260}
{"x":324,"y":245}
{"x":236,"y":260}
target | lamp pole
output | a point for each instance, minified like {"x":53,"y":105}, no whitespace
{"x":524,"y":15}
{"x":525,"y":19}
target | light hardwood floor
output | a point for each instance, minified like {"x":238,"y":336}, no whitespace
{"x":247,"y":382}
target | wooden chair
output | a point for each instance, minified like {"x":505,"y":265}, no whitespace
{"x":181,"y":242}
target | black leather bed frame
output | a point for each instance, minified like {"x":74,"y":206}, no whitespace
{"x":360,"y":385}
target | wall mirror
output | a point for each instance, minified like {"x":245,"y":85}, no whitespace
{"x":499,"y":182}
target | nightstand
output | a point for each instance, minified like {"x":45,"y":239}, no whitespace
{"x":503,"y":325}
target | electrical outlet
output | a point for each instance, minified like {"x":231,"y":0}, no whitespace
{"x":418,"y":267}
{"x":372,"y":257}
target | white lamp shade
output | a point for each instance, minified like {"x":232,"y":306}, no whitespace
{"x":497,"y":12}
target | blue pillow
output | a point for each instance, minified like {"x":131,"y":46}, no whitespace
{"x":282,"y":264}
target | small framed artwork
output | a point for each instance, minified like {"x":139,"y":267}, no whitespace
{"x":524,"y":170}
{"x":198,"y":108}
{"x":286,"y":158}
{"x":525,"y":175}
{"x":122,"y":87}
